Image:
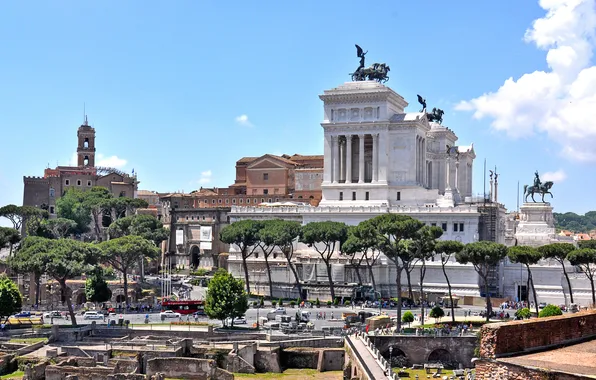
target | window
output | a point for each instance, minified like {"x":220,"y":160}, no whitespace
{"x":52,"y":192}
{"x":192,"y":217}
{"x":247,"y":200}
{"x":234,"y":201}
{"x":398,"y":196}
{"x":86,"y":143}
{"x":88,"y":183}
{"x":341,"y":195}
{"x":51,"y":209}
{"x":203,"y":217}
{"x":275,"y":191}
{"x":277,"y":199}
{"x":269,"y":200}
{"x":213,"y":201}
{"x":461,"y":227}
{"x":262,"y":200}
{"x":227,"y":201}
{"x":265,"y":191}
{"x":366,"y":196}
{"x":455,"y":227}
{"x":67,"y":182}
{"x":265,"y":176}
{"x":444,"y":226}
{"x":353,"y":195}
{"x":240,"y":200}
{"x":433,"y":224}
{"x":219,"y":201}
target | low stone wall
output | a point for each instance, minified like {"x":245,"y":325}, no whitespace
{"x":5,"y":363}
{"x":187,"y":368}
{"x":30,"y":348}
{"x":300,"y":358}
{"x":331,"y":359}
{"x":55,"y":372}
{"x":506,"y":339}
{"x":490,"y":369}
{"x":268,"y":360}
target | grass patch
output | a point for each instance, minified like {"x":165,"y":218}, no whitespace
{"x":293,"y":374}
{"x":28,"y":340}
{"x":14,"y":375}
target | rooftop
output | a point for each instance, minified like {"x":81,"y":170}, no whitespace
{"x":577,"y":359}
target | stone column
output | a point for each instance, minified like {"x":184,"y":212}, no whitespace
{"x":447,"y":174}
{"x":375,"y":158}
{"x":342,"y":153}
{"x":348,"y":158}
{"x":361,"y":160}
{"x":456,"y":186}
{"x":423,"y":163}
{"x":336,"y":159}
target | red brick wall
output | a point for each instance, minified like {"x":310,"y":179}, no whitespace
{"x":499,"y":339}
{"x":493,"y":370}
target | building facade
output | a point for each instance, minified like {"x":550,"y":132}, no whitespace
{"x":43,"y":192}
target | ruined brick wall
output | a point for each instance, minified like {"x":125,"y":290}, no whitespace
{"x":500,"y":339}
{"x":488,"y":369}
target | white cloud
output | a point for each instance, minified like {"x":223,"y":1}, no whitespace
{"x":205,"y":177}
{"x":243,"y":121}
{"x":558,"y":176}
{"x":110,"y":162}
{"x":561,"y":101}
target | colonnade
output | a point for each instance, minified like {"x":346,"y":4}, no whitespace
{"x":342,"y":156}
{"x":421,"y":163}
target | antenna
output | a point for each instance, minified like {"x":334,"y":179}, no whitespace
{"x":84,"y":114}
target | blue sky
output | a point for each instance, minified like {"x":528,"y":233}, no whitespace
{"x":181,"y":90}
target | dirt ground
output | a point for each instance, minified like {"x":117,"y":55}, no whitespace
{"x":293,"y":374}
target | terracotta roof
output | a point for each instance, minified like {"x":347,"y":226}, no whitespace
{"x":301,"y":157}
{"x":309,"y":170}
{"x":146,"y":192}
{"x":279,"y":158}
{"x":247,"y":159}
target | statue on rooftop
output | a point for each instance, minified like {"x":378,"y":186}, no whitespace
{"x":422,"y":102}
{"x":436,"y":115}
{"x":377,"y":71}
{"x":538,"y":188}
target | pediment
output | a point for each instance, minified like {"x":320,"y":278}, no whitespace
{"x":270,"y":162}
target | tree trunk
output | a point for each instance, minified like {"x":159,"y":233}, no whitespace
{"x":357,"y":268}
{"x":64,"y":290}
{"x":331,"y":285}
{"x":593,"y":293}
{"x":533,"y":289}
{"x":125,"y":284}
{"x":245,"y":266}
{"x":422,"y":274}
{"x":410,"y":292}
{"x":37,"y":281}
{"x":449,"y":292}
{"x":293,"y":269}
{"x":97,"y":226}
{"x":398,"y":283}
{"x":489,"y":306}
{"x":372,"y":275}
{"x":268,"y":274}
{"x":568,"y":281}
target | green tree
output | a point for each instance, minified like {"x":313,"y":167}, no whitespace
{"x":226,"y":298}
{"x":437,"y":313}
{"x":71,"y":206}
{"x":13,"y":214}
{"x":559,"y":252}
{"x":124,"y":252}
{"x":523,"y":313}
{"x":97,"y":200}
{"x":408,"y":318}
{"x":526,"y":256}
{"x":267,"y":236}
{"x":390,"y":231}
{"x":96,"y":287}
{"x":286,"y":233}
{"x":324,"y":237}
{"x":422,"y":248}
{"x":585,"y":259}
{"x":447,"y":248}
{"x":363,"y":238}
{"x":29,"y":262}
{"x":61,"y":259}
{"x":56,"y":228}
{"x":10,"y":297}
{"x":483,"y":255}
{"x":245,"y":235}
{"x":8,"y":238}
{"x":352,"y":247}
{"x":550,"y":311}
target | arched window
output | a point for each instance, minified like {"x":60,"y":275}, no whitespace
{"x":52,"y":192}
{"x":86,"y":143}
{"x":86,"y":161}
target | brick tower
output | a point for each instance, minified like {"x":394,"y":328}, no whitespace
{"x":86,"y":145}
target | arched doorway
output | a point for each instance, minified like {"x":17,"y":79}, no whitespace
{"x":120,"y":298}
{"x":195,"y":256}
{"x":397,"y":358}
{"x":81,"y":298}
{"x":439,"y":355}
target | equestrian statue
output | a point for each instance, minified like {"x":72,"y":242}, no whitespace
{"x":377,"y":71}
{"x":435,"y":115}
{"x":538,"y":188}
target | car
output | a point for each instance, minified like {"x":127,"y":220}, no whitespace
{"x":279,"y":310}
{"x":52,"y":314}
{"x":169,"y":314}
{"x":92,"y":315}
{"x":23,"y":314}
{"x":542,"y":305}
{"x":239,"y":321}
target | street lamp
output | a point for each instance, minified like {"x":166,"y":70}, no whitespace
{"x":390,"y":357}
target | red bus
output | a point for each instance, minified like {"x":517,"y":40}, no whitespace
{"x":185,"y":306}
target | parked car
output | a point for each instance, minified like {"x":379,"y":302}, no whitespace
{"x":542,"y":305}
{"x":92,"y":315}
{"x":239,"y":321}
{"x":52,"y":314}
{"x":169,"y":314}
{"x":23,"y":314}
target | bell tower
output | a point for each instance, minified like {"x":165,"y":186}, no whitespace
{"x":86,"y":145}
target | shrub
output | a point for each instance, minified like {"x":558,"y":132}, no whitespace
{"x":254,"y":303}
{"x":280,"y":302}
{"x":347,"y":303}
{"x":550,"y":311}
{"x":318,"y":303}
{"x":328,"y":303}
{"x":408,"y":317}
{"x":524,"y":313}
{"x":436,"y":312}
{"x":292,"y":303}
{"x":273,"y":303}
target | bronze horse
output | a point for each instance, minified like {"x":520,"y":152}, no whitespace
{"x":542,"y":190}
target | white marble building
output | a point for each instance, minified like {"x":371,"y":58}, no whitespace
{"x":380,"y":159}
